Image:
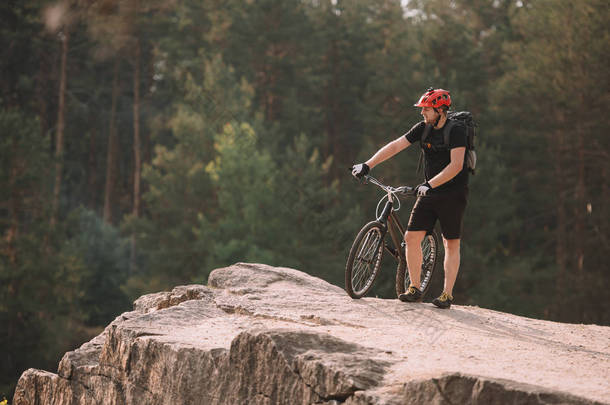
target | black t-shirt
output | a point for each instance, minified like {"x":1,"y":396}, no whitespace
{"x":436,"y":161}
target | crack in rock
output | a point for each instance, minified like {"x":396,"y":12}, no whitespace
{"x":440,"y":391}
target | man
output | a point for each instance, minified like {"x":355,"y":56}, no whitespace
{"x":441,"y":196}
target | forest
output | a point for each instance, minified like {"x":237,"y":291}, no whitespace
{"x":145,"y":143}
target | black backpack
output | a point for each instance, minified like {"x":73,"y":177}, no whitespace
{"x":453,"y":118}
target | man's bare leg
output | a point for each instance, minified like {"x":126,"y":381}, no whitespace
{"x":413,"y":253}
{"x":452,"y":263}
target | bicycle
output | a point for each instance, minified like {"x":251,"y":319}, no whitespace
{"x":364,"y":259}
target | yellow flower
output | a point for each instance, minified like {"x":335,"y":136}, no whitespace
{"x":4,"y":402}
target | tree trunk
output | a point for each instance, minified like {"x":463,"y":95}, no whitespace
{"x":43,"y":80}
{"x":13,"y":208}
{"x":59,"y":139}
{"x":92,"y":167}
{"x":330,"y":95}
{"x":136,"y":149}
{"x":112,"y":149}
{"x":580,"y":207}
{"x":557,"y":143}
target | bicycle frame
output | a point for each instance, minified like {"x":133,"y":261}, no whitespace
{"x":390,"y":219}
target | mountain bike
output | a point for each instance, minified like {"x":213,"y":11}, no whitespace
{"x":364,"y":260}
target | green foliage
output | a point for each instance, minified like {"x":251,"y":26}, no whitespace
{"x":45,"y":271}
{"x":318,"y":220}
{"x":245,"y":182}
{"x":23,"y":156}
{"x":173,"y":241}
{"x":554,"y":86}
{"x":278,"y":212}
{"x":39,"y":281}
{"x":104,"y":256}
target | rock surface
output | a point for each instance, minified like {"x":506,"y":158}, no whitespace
{"x":267,"y":335}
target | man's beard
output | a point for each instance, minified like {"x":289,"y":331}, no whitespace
{"x":430,"y":121}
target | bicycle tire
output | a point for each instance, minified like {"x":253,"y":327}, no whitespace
{"x":366,"y":250}
{"x":431,"y":251}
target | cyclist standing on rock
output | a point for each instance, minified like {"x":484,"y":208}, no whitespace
{"x":441,"y":196}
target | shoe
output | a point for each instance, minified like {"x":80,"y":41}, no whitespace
{"x":444,"y":301}
{"x":413,"y":294}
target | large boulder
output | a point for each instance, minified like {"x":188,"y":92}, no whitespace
{"x":267,"y":335}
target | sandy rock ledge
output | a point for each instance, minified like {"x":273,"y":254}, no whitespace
{"x":267,"y":335}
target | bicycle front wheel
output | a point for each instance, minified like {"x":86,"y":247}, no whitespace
{"x":364,"y":260}
{"x":431,"y":249}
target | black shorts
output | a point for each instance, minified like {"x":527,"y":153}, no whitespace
{"x":448,"y":207}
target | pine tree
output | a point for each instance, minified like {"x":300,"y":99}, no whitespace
{"x":556,"y":88}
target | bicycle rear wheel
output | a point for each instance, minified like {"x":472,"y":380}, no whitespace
{"x":431,"y":250}
{"x":364,"y":260}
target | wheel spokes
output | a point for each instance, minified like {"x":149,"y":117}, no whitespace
{"x":429,"y":258}
{"x":365,"y":262}
{"x":363,"y":267}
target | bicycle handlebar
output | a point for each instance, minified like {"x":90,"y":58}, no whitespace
{"x":391,"y":192}
{"x":389,"y":189}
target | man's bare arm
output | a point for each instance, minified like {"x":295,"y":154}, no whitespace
{"x":452,"y":169}
{"x":388,"y":151}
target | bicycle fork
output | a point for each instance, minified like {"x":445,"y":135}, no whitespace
{"x":390,"y":220}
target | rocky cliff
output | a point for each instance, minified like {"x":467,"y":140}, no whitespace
{"x":266,"y":335}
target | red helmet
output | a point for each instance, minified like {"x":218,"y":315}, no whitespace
{"x":434,"y":98}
